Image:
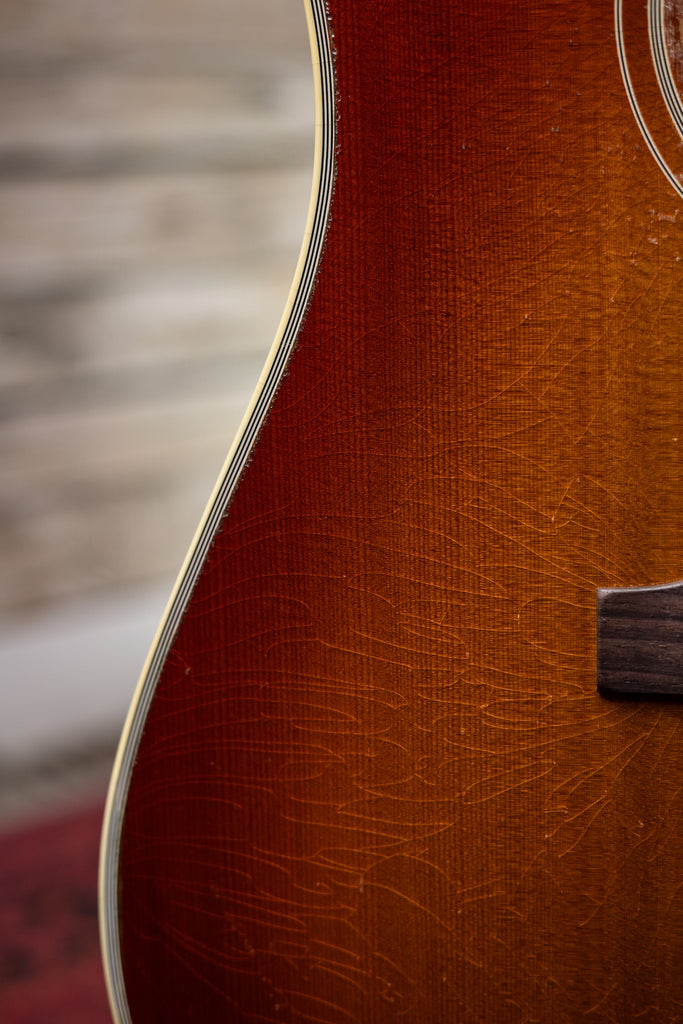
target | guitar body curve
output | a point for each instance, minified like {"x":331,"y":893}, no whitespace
{"x":368,"y":776}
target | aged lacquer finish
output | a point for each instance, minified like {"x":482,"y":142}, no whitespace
{"x":376,"y":781}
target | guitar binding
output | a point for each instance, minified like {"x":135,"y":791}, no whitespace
{"x":238,"y":457}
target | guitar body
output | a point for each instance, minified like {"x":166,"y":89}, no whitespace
{"x":368,"y":776}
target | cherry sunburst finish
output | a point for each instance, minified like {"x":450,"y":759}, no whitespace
{"x":368,"y":776}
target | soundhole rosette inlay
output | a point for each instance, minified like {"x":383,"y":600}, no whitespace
{"x":650,"y":48}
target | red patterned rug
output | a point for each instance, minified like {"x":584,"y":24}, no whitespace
{"x":50,"y":968}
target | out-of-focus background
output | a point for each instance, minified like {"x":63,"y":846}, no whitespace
{"x":155,"y":168}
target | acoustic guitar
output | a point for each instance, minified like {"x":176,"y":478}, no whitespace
{"x":369,"y":775}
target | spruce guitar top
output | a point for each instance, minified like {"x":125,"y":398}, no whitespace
{"x":368,"y":776}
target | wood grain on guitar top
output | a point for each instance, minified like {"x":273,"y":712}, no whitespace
{"x":376,"y":782}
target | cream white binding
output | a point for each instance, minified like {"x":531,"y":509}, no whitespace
{"x":304,"y":277}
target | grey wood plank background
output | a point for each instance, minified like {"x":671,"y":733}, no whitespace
{"x":155,"y":164}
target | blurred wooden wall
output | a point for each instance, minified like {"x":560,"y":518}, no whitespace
{"x":155,"y":173}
